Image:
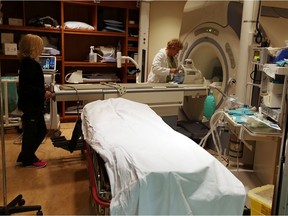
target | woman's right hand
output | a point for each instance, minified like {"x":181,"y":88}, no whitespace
{"x":173,"y":71}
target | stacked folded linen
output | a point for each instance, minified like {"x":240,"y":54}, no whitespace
{"x":114,"y":25}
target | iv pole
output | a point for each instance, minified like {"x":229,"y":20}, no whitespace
{"x":3,"y":146}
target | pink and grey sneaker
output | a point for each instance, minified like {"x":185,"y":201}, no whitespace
{"x":39,"y":164}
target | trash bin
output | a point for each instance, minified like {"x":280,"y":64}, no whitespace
{"x":261,"y":200}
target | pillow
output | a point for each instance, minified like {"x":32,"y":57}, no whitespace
{"x":78,"y":25}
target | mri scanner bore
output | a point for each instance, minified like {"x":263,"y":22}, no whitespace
{"x":213,"y":50}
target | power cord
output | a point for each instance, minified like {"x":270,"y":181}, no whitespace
{"x":258,"y":36}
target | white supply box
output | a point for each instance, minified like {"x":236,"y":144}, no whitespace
{"x":275,"y":88}
{"x":15,"y":21}
{"x":272,"y":100}
{"x":274,"y":97}
{"x":9,"y":48}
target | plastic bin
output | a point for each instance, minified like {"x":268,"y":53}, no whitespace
{"x":261,"y":200}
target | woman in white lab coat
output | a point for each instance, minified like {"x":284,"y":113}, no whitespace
{"x":165,"y":63}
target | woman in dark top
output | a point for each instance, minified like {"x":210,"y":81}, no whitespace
{"x":32,"y":96}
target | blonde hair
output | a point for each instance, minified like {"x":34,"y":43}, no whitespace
{"x":175,"y":44}
{"x":30,"y":46}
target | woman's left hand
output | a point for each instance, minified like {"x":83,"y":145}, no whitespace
{"x":48,"y":94}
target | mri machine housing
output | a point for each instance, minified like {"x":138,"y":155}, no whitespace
{"x":212,"y":42}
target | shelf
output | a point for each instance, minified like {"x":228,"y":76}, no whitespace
{"x":89,"y":64}
{"x":131,"y":77}
{"x":116,"y":4}
{"x":94,"y":33}
{"x":15,"y":57}
{"x":273,"y":99}
{"x":130,"y":65}
{"x":30,"y":29}
{"x":91,"y":3}
{"x":9,"y":57}
{"x":133,"y":38}
{"x":274,"y":69}
{"x":133,"y":26}
{"x":135,"y":49}
{"x":74,"y":44}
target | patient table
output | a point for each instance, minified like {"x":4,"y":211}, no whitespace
{"x":165,"y":99}
{"x":151,"y":168}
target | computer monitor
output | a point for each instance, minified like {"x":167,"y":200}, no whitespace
{"x":48,"y":63}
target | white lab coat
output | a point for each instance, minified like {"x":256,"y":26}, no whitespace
{"x":160,"y":68}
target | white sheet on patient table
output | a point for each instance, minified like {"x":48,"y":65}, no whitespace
{"x":154,"y":169}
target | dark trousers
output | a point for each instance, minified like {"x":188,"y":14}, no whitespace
{"x":34,"y":131}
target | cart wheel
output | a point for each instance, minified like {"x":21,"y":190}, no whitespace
{"x":39,"y":212}
{"x":21,"y":202}
{"x":57,"y":133}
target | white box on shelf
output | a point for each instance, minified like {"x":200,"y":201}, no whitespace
{"x":9,"y":48}
{"x":275,"y":88}
{"x":7,"y":38}
{"x":15,"y":21}
{"x":272,"y":100}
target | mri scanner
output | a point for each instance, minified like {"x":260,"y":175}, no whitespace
{"x":213,"y":42}
{"x":213,"y":53}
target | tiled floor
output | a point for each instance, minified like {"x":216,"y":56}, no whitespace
{"x":246,"y":175}
{"x":249,"y":180}
{"x":60,"y":188}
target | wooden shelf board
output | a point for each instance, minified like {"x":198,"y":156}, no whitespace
{"x":30,"y":28}
{"x":94,"y":33}
{"x":89,"y":64}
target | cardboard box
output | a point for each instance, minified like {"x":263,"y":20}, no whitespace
{"x":7,"y":38}
{"x":15,"y":21}
{"x":9,"y":48}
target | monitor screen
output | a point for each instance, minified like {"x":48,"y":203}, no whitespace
{"x":48,"y":63}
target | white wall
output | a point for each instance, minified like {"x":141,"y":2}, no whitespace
{"x":165,"y":23}
{"x":275,"y":30}
{"x":176,"y":19}
{"x":196,"y":12}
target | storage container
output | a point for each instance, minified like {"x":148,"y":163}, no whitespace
{"x":275,"y":88}
{"x":261,"y":200}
